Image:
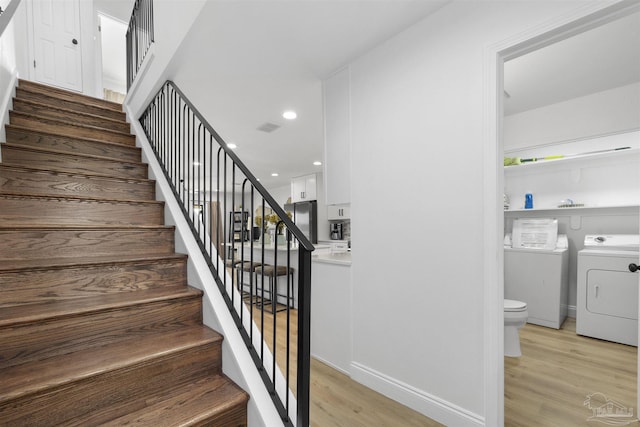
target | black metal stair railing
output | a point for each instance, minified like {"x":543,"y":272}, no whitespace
{"x":139,"y":37}
{"x":263,"y":271}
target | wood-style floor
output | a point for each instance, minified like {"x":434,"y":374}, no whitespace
{"x":546,"y":387}
{"x":337,"y":400}
{"x":558,"y":370}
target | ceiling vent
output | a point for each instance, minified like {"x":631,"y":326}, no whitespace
{"x":268,"y":127}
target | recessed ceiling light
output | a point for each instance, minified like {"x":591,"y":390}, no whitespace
{"x":274,"y":174}
{"x":196,"y":163}
{"x":289,"y":115}
{"x":232,"y":146}
{"x":317,"y":163}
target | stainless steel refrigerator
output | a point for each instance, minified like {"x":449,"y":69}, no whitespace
{"x":305,"y":216}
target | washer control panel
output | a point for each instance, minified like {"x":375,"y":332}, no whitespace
{"x":627,"y":242}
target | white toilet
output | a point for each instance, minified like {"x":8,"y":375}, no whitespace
{"x":515,"y":316}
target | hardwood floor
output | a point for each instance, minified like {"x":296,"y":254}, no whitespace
{"x":546,"y":387}
{"x":336,"y":400}
{"x":549,"y":384}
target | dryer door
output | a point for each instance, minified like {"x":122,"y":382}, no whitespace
{"x":612,"y":293}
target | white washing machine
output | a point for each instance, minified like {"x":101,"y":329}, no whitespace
{"x":608,"y":279}
{"x":540,"y":278}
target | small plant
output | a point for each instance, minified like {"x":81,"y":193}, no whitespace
{"x":275,"y":220}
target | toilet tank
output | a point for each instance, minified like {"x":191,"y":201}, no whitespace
{"x":540,"y":278}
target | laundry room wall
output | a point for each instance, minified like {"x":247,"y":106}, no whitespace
{"x":605,"y":186}
{"x":602,"y":113}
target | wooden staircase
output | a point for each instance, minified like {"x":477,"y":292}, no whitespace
{"x":97,"y":323}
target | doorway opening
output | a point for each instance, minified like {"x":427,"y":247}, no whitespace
{"x":114,"y":57}
{"x":582,"y":21}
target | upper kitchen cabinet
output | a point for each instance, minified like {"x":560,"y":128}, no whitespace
{"x":338,"y":212}
{"x":337,"y":140}
{"x":304,"y":188}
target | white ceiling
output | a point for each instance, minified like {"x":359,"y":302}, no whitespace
{"x":603,"y":58}
{"x":254,"y":59}
{"x":118,"y":9}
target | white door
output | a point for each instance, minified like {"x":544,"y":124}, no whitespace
{"x":56,"y":34}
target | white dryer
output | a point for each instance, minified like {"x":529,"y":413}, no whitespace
{"x":607,"y":299}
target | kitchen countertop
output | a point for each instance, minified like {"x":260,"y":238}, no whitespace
{"x":340,"y":258}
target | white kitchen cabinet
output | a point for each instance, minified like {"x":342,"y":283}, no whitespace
{"x":337,"y":142}
{"x":304,"y":188}
{"x":338,"y":212}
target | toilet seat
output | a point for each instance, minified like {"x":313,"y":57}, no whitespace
{"x":513,"y":306}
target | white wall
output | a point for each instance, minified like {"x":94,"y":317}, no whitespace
{"x":13,"y":60}
{"x":601,"y":113}
{"x":172,"y":21}
{"x":417,"y":261}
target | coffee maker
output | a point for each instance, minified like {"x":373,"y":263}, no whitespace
{"x":335,"y":230}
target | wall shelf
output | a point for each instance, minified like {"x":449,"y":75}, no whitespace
{"x":631,"y":154}
{"x":571,"y":210}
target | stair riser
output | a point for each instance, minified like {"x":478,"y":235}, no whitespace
{"x":122,"y":390}
{"x":34,"y":139}
{"x":71,"y":164}
{"x":19,"y":211}
{"x":66,"y":334}
{"x":72,"y":117}
{"x":19,"y":182}
{"x":70,"y":96}
{"x":67,"y":129}
{"x":49,"y":285}
{"x":51,"y":243}
{"x":23,"y":93}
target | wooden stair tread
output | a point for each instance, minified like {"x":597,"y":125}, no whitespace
{"x":18,"y":315}
{"x":66,"y":153}
{"x":67,"y":110}
{"x":58,"y":263}
{"x":75,"y":227}
{"x":77,"y":105}
{"x":68,"y":95}
{"x":77,"y":198}
{"x":80,"y":163}
{"x":53,"y":121}
{"x":189,"y":405}
{"x":33,"y":377}
{"x":115,"y":179}
{"x":80,"y":138}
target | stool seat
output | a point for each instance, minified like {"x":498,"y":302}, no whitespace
{"x":272,"y":273}
{"x":232,"y":262}
{"x":249,"y":266}
{"x":269,"y":270}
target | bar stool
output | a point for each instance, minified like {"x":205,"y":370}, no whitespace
{"x":250,"y":267}
{"x":273,"y":274}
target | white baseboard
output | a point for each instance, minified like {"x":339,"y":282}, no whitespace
{"x":331,"y":365}
{"x":430,"y":406}
{"x":571,"y":311}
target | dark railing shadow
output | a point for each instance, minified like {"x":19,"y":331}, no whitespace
{"x":260,"y":259}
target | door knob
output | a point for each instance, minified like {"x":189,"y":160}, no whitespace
{"x":74,"y":41}
{"x":633,"y":267}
